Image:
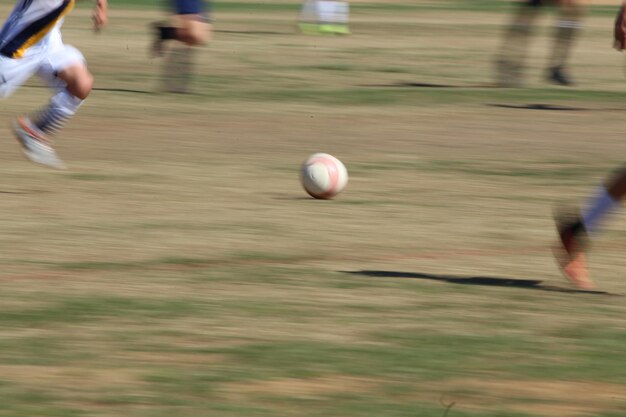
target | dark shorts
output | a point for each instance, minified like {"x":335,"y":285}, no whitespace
{"x":199,"y":7}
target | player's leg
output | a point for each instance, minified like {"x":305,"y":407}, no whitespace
{"x":193,"y":29}
{"x":74,"y":85}
{"x":567,"y":29}
{"x":64,"y":70}
{"x":574,"y":230}
{"x":13,"y":73}
{"x":190,"y":26}
{"x":515,"y":43}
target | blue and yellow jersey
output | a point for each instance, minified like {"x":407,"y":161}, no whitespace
{"x":29,"y":22}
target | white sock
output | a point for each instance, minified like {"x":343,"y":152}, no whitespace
{"x":597,"y":208}
{"x":571,"y":24}
{"x":342,"y":11}
{"x":326,"y":11}
{"x":62,"y":107}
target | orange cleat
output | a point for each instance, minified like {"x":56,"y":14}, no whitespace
{"x":35,"y":145}
{"x":576,"y":271}
{"x":570,"y":252}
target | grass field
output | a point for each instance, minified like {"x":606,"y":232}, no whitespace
{"x":178,"y":269}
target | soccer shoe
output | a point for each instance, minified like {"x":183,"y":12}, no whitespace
{"x":557,"y":75}
{"x":35,"y":145}
{"x":309,"y":28}
{"x":570,"y":252}
{"x":333,"y":29}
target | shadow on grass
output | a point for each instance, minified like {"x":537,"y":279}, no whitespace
{"x":252,"y":32}
{"x":107,"y":89}
{"x":24,"y":192}
{"x":550,"y":107}
{"x":122,"y":90}
{"x":532,"y":284}
{"x":430,"y":85}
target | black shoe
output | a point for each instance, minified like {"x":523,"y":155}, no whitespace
{"x":558,"y":76}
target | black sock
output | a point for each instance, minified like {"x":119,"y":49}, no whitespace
{"x":167,"y":32}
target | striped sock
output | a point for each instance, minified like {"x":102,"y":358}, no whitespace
{"x":566,"y":32}
{"x":62,"y":106}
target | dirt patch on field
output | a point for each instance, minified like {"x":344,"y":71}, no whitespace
{"x":303,"y":388}
{"x":59,"y":377}
{"x":549,"y":398}
{"x":546,"y":398}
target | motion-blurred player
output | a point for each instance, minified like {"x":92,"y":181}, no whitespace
{"x":324,"y":17}
{"x":31,"y":43}
{"x":574,"y":230}
{"x":512,"y":56}
{"x":190,"y":27}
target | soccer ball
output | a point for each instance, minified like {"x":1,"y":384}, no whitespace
{"x":323,"y":176}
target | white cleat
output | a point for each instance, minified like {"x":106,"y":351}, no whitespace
{"x":35,"y":145}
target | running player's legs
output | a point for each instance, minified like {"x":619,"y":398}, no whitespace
{"x":190,"y":26}
{"x":515,"y":43}
{"x":566,"y":31}
{"x":574,"y":229}
{"x":78,"y":80}
{"x":65,"y":70}
{"x":192,"y":29}
{"x":516,"y":40}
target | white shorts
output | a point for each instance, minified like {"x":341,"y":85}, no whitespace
{"x":45,"y":62}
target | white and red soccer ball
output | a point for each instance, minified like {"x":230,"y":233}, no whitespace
{"x":323,"y":176}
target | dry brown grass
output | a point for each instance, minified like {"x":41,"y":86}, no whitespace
{"x":180,"y":240}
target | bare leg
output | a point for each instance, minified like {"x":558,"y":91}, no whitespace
{"x":190,"y":31}
{"x":567,"y":28}
{"x":64,"y":104}
{"x":515,"y":44}
{"x":573,"y":231}
{"x":616,"y":184}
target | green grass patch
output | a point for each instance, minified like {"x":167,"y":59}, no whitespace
{"x":425,"y":356}
{"x":44,"y":350}
{"x":482,"y":168}
{"x":85,"y":309}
